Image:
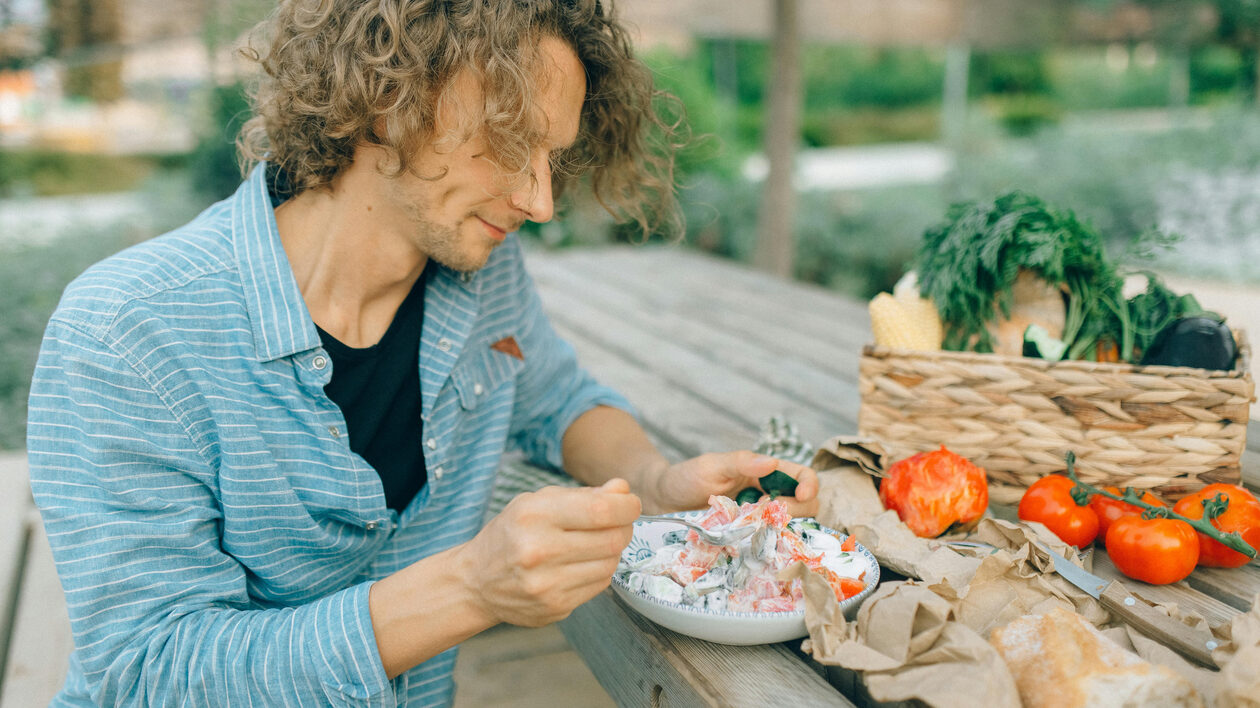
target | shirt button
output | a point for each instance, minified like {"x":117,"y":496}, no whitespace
{"x":334,"y":431}
{"x":478,"y":389}
{"x":319,"y":362}
{"x":371,"y":525}
{"x":444,"y":344}
{"x":431,"y":443}
{"x":438,"y":472}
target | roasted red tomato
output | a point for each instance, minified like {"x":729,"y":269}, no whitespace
{"x":932,"y":491}
{"x":1109,"y":510}
{"x":1049,"y":500}
{"x":1243,"y":516}
{"x":1156,"y":551}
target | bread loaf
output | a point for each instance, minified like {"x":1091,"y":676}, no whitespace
{"x":1059,"y":660}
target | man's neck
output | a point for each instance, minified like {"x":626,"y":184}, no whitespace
{"x":352,"y":273}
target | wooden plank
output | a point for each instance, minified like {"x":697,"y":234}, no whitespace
{"x":1236,"y":587}
{"x":705,"y":377}
{"x":15,"y":501}
{"x":642,"y":664}
{"x":519,"y":667}
{"x":41,"y":633}
{"x":747,"y":287}
{"x":748,"y":357}
{"x":787,"y":317}
{"x":677,"y":420}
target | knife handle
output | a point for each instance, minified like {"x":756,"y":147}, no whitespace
{"x":1185,"y":640}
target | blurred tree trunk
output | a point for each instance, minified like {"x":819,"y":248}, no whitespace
{"x":776,"y":244}
{"x":954,"y":93}
{"x":86,"y":35}
{"x":1179,"y":77}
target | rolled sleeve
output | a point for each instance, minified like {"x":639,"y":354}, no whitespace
{"x":160,"y":613}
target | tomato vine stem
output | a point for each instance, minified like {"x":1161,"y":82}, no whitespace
{"x":1212,"y":508}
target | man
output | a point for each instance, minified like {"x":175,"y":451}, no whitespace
{"x":262,"y":444}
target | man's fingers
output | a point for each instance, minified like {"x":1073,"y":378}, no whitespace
{"x":609,"y":506}
{"x":752,"y":467}
{"x":800,"y":508}
{"x":804,"y":502}
{"x":594,"y":575}
{"x":586,"y":545}
{"x":616,"y":485}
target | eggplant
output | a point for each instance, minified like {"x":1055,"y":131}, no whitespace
{"x":1200,"y":342}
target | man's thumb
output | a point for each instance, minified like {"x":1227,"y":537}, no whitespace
{"x":616,"y":485}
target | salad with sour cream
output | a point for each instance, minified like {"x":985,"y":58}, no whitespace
{"x":744,"y":577}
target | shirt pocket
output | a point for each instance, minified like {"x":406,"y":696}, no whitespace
{"x":482,"y":373}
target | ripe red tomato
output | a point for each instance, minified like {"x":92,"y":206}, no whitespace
{"x":1156,"y":551}
{"x":1243,"y":516}
{"x":932,"y":491}
{"x":1109,"y":509}
{"x":1049,"y":500}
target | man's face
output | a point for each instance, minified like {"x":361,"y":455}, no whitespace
{"x":459,"y":218}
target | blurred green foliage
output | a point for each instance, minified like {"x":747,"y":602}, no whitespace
{"x":35,"y":272}
{"x":34,"y":276}
{"x":847,"y":90}
{"x":34,"y":172}
{"x":1107,"y":174}
{"x":213,"y":165}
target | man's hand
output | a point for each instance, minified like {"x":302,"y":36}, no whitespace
{"x":688,"y":484}
{"x":549,"y":552}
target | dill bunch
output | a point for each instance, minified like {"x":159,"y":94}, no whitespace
{"x":969,"y":262}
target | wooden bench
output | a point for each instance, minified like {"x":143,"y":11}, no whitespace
{"x":706,"y":350}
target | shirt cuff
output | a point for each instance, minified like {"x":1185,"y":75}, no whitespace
{"x":345,"y":655}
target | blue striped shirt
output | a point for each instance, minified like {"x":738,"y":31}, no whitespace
{"x":215,"y":535}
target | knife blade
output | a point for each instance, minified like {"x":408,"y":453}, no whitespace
{"x":1193,"y":644}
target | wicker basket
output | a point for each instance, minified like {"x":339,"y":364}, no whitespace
{"x":1168,"y":429}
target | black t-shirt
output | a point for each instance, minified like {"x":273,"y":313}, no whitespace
{"x":378,"y":391}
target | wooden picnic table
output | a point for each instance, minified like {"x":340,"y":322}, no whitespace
{"x":707,"y":350}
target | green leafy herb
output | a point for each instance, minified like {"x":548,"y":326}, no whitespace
{"x":968,"y":264}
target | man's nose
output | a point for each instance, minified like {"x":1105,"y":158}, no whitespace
{"x":534,"y":198}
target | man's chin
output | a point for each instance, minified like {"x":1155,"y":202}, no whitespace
{"x":465,"y":263}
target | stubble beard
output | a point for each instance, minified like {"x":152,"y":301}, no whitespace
{"x":444,"y":243}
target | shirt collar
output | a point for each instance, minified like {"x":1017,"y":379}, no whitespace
{"x":282,"y":325}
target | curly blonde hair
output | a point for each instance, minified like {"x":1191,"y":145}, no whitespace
{"x":335,"y":68}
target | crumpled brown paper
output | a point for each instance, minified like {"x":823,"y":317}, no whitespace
{"x":1017,"y":579}
{"x":1240,"y":676}
{"x":926,"y":638}
{"x":907,"y":648}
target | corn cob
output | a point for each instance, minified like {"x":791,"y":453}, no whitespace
{"x":908,"y":322}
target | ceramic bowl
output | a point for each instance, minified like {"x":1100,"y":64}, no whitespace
{"x":723,"y":627}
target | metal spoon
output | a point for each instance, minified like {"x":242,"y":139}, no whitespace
{"x":713,"y":537}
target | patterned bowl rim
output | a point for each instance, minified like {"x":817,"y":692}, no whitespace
{"x":873,"y":567}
